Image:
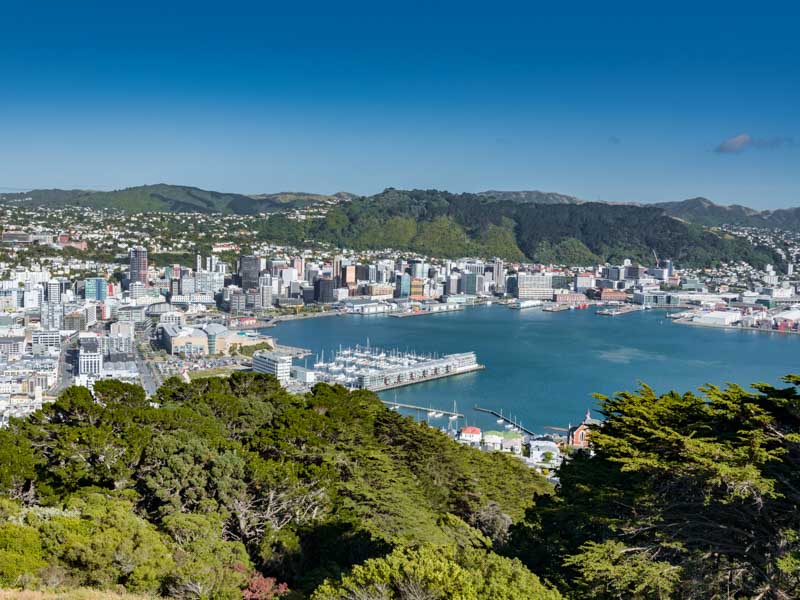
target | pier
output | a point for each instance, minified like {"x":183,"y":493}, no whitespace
{"x":426,"y":409}
{"x":504,"y":418}
{"x":377,"y":370}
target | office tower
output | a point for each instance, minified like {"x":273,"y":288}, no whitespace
{"x":95,"y":288}
{"x":402,"y":286}
{"x":323,"y":290}
{"x":198,"y":263}
{"x":54,"y":291}
{"x":249,"y":270}
{"x":138,"y":265}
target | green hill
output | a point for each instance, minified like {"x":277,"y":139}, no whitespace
{"x":168,"y":198}
{"x":450,"y":225}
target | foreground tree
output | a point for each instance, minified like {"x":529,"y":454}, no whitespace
{"x":684,"y":496}
{"x":431,"y":572}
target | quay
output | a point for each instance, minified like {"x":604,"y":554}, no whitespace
{"x":504,"y":418}
{"x":620,"y":310}
{"x":378,"y":370}
{"x":431,"y":377}
{"x":293,"y":351}
{"x":556,"y":308}
{"x":422,"y":312}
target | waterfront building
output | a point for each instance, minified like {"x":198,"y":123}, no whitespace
{"x":402,"y":288}
{"x":534,"y":286}
{"x":273,"y":363}
{"x":470,"y":435}
{"x":324,"y":290}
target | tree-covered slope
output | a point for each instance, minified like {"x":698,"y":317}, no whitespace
{"x":451,"y":225}
{"x":234,"y":484}
{"x":683,"y":496}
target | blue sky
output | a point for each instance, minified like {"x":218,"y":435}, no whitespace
{"x":626,"y":105}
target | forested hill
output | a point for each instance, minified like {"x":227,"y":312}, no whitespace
{"x":170,"y":198}
{"x":449,"y":225}
{"x":234,"y":484}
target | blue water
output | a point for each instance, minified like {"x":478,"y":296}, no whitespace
{"x":544,"y":367}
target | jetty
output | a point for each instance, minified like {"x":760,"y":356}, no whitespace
{"x":374,"y":369}
{"x":504,"y":418}
{"x":619,"y":310}
{"x":449,"y":413}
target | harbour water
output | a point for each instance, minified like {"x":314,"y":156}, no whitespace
{"x":543,"y":368}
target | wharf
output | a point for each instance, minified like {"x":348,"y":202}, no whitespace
{"x":621,"y":310}
{"x":504,"y":418}
{"x":556,"y":308}
{"x":420,"y":313}
{"x":293,"y":351}
{"x":449,"y":413}
{"x":425,"y":378}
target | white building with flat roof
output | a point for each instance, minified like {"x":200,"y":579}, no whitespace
{"x":273,"y":363}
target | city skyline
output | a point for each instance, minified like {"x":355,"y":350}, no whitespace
{"x":630,"y":106}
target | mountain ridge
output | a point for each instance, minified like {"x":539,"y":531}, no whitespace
{"x":162,"y":197}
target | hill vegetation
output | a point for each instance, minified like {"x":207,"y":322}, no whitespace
{"x":234,"y":486}
{"x":684,"y":496}
{"x":451,"y":225}
{"x":539,"y":226}
{"x":169,"y":198}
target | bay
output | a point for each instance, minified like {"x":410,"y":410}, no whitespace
{"x":543,"y":368}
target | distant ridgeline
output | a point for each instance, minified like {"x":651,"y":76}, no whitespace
{"x":538,"y":226}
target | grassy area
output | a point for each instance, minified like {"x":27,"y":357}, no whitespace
{"x":216,"y":372}
{"x":252,"y":349}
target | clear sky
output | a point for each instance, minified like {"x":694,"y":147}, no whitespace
{"x":614,"y":104}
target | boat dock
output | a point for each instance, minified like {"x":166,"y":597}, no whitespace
{"x":448,"y":413}
{"x":437,"y":310}
{"x":618,"y":310}
{"x":293,"y":351}
{"x":504,"y":418}
{"x":556,"y":308}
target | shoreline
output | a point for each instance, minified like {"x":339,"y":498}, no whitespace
{"x":733,"y":327}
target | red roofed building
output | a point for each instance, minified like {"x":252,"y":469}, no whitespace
{"x":470,"y":435}
{"x":608,"y":295}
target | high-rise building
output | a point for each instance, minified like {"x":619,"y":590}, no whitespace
{"x":95,"y":288}
{"x":249,"y":270}
{"x":54,"y":291}
{"x":138,"y":265}
{"x":402,"y":286}
{"x":323,"y":290}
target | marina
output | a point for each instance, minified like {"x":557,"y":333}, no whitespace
{"x":375,"y":369}
{"x":514,"y":426}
